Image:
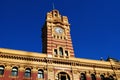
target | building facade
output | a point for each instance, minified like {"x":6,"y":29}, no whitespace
{"x":57,"y":61}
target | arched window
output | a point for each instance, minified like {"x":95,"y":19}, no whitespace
{"x":14,"y":71}
{"x":1,"y":70}
{"x":28,"y":72}
{"x":40,"y":74}
{"x":111,"y":77}
{"x":61,"y":51}
{"x":83,"y":76}
{"x":93,"y":77}
{"x":102,"y":77}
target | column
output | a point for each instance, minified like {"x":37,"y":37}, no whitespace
{"x":21,"y":73}
{"x":7,"y":72}
{"x":88,"y":76}
{"x":34,"y":74}
{"x":98,"y":76}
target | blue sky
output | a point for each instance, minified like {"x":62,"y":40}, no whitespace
{"x":95,"y":25}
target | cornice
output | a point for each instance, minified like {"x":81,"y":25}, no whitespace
{"x":21,"y":55}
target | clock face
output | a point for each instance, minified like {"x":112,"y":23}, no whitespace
{"x":59,"y":30}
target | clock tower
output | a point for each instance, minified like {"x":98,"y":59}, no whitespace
{"x":56,"y":39}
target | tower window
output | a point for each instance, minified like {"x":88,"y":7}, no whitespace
{"x":61,"y":37}
{"x":55,"y":52}
{"x":28,"y":72}
{"x":61,"y":51}
{"x":66,"y":53}
{"x":40,"y":74}
{"x":14,"y":71}
{"x":1,"y":70}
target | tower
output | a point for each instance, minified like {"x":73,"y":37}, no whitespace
{"x":56,"y":38}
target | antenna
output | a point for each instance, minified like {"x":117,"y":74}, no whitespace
{"x":53,"y":5}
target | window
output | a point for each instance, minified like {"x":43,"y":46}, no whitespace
{"x":111,"y":77}
{"x":102,"y":77}
{"x":40,"y":74}
{"x":28,"y":72}
{"x":93,"y":77}
{"x":55,"y":52}
{"x":82,"y":77}
{"x":1,"y":70}
{"x":66,"y":53}
{"x":60,"y":51}
{"x":14,"y":71}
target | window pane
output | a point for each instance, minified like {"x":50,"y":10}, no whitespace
{"x":14,"y":73}
{"x":40,"y":75}
{"x":27,"y":75}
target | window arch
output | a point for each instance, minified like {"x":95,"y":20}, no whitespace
{"x":82,"y":76}
{"x":40,"y":73}
{"x":102,"y":77}
{"x":93,"y":77}
{"x":61,"y":51}
{"x":28,"y":72}
{"x":14,"y":71}
{"x":1,"y":70}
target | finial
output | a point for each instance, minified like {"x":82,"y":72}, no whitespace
{"x":53,"y":6}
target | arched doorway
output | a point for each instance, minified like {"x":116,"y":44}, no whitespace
{"x":63,"y":76}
